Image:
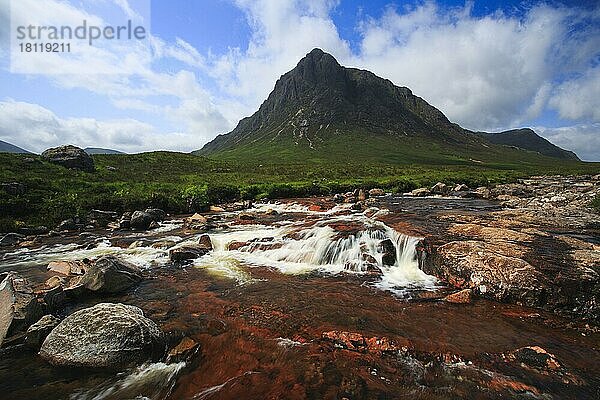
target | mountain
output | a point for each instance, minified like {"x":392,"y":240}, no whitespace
{"x":527,"y":139}
{"x":321,"y":111}
{"x":97,"y":150}
{"x":11,"y":148}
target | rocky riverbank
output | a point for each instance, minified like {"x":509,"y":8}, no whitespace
{"x":327,"y":296}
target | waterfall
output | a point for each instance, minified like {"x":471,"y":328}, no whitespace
{"x":367,"y":246}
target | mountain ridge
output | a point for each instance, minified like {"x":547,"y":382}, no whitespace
{"x":320,"y":107}
{"x":6,"y":147}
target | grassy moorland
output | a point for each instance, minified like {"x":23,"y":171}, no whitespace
{"x":181,"y":183}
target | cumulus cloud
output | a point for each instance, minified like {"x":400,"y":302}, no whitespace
{"x":580,"y":97}
{"x":36,"y":128}
{"x":583,"y":139}
{"x":485,"y":73}
{"x":491,"y":72}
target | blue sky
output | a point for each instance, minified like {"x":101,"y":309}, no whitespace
{"x":488,"y":65}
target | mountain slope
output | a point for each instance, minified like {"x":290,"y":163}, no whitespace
{"x":11,"y":148}
{"x":527,"y":139}
{"x":321,"y":111}
{"x":98,"y":150}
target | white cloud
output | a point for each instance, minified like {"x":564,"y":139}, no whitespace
{"x":583,"y":139}
{"x":36,"y":128}
{"x":284,"y":31}
{"x":483,"y":72}
{"x":486,"y":73}
{"x":580,"y":97}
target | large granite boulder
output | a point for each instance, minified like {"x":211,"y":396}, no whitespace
{"x":110,"y":274}
{"x":104,"y":336}
{"x":19,"y":306}
{"x":70,"y":157}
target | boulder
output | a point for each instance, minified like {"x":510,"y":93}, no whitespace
{"x":11,"y":239}
{"x":440,"y":188}
{"x":246,"y":216}
{"x":216,"y":209}
{"x":388,"y":249}
{"x":205,"y":242}
{"x":157,"y":214}
{"x":67,"y":267}
{"x":68,"y":225}
{"x":70,"y":157}
{"x":187,"y":252}
{"x":376,"y":192}
{"x":141,"y":220}
{"x":163,"y":244}
{"x":19,"y":307}
{"x":421,"y":192}
{"x":490,"y":271}
{"x":101,"y":219}
{"x":40,"y":330}
{"x":461,"y":188}
{"x":103,"y":336}
{"x":109,"y":274}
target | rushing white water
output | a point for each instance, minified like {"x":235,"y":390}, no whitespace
{"x":333,"y":241}
{"x":144,"y":257}
{"x":296,"y":248}
{"x":149,"y":381}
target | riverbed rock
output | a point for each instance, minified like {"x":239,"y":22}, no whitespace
{"x":461,"y":188}
{"x":67,"y":267}
{"x":19,"y":307}
{"x":106,"y":335}
{"x":101,"y":219}
{"x":37,"y":333}
{"x":476,"y":265}
{"x":157,"y":214}
{"x":110,"y":274}
{"x":187,"y":252}
{"x":376,"y":192}
{"x":388,"y":249}
{"x":68,"y":225}
{"x":205,"y":242}
{"x":462,"y":297}
{"x":11,"y":239}
{"x":184,"y":351}
{"x":70,"y":157}
{"x":440,"y":188}
{"x":246,"y":216}
{"x":421,"y":192}
{"x":141,"y":220}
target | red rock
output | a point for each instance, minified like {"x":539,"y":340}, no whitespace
{"x":67,"y":267}
{"x":184,"y":350}
{"x":463,"y":297}
{"x":236,"y":245}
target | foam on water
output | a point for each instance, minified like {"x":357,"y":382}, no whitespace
{"x":149,"y":381}
{"x":295,"y":248}
{"x":144,"y":257}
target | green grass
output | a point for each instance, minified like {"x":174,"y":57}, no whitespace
{"x":181,"y":183}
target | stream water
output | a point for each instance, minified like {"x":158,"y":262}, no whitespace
{"x":260,"y":302}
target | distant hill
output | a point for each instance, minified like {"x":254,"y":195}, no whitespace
{"x":11,"y":148}
{"x":527,"y":139}
{"x":322,"y":111}
{"x":97,"y":150}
